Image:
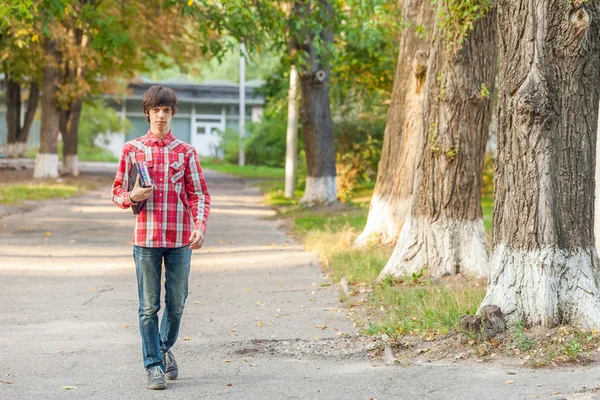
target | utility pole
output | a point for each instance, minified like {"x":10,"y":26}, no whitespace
{"x":242,"y":154}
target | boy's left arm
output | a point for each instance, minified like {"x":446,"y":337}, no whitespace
{"x":198,"y":199}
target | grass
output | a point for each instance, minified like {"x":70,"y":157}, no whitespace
{"x":248,"y":171}
{"x":13,"y":194}
{"x":423,"y":307}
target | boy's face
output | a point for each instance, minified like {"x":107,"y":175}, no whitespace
{"x":160,"y":119}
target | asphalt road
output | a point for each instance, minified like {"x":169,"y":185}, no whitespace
{"x":258,"y":323}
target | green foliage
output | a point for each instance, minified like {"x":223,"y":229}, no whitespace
{"x":456,"y":18}
{"x":358,"y":144}
{"x":98,"y":119}
{"x":484,"y":92}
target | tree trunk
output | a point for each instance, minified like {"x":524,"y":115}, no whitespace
{"x":46,"y":163}
{"x":544,"y":266}
{"x":70,"y":138}
{"x":315,"y":114}
{"x":32,"y":104}
{"x":444,"y":231}
{"x":390,"y":203}
{"x":291,"y":154}
{"x":13,"y":115}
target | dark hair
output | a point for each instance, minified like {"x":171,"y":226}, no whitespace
{"x":157,"y":96}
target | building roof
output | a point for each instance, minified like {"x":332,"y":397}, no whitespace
{"x":209,"y":92}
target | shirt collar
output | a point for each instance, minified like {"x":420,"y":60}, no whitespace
{"x":151,"y":139}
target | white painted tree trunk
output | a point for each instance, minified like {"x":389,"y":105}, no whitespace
{"x":10,"y":150}
{"x":544,"y":268}
{"x":392,"y":195}
{"x":70,"y":165}
{"x":385,"y":220}
{"x":547,"y":286}
{"x":321,"y":190}
{"x":292,"y":136}
{"x":443,"y":247}
{"x":20,"y":148}
{"x":46,"y":166}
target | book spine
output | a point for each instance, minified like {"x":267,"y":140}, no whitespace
{"x":145,"y":175}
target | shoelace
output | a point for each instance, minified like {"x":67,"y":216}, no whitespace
{"x":157,"y":372}
{"x":167,"y":358}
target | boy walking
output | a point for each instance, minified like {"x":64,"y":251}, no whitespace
{"x":171,"y":224}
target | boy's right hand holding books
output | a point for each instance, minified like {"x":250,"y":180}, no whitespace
{"x":139,"y":193}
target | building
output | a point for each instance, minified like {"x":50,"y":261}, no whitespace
{"x":205,"y":110}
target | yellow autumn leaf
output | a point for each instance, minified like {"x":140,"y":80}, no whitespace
{"x":190,"y":2}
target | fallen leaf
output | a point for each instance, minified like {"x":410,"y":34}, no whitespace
{"x":510,"y":382}
{"x":69,"y":387}
{"x":196,"y":302}
{"x":187,"y":338}
{"x":252,"y":365}
{"x":227,"y":361}
{"x":261,"y":324}
{"x":124,"y":325}
{"x":47,"y":233}
{"x":229,"y":384}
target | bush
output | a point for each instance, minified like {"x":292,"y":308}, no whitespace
{"x":265,"y":145}
{"x":358,"y":145}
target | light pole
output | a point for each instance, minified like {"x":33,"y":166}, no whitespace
{"x":242,"y":154}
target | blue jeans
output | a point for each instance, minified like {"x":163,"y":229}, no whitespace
{"x":148,"y":267}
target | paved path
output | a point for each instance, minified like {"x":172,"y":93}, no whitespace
{"x":258,"y":324}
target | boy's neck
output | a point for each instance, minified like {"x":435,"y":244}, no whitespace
{"x":159,"y":133}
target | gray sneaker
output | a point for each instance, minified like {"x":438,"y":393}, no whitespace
{"x":171,"y":370}
{"x":156,"y":378}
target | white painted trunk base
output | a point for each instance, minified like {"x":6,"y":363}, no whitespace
{"x":321,"y":190}
{"x":71,"y":165}
{"x":46,"y":166}
{"x":11,"y":150}
{"x":545,"y":287}
{"x":384,"y":221}
{"x":446,"y":247}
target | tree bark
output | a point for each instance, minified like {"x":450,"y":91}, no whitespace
{"x":315,"y":114}
{"x":32,"y":104}
{"x":390,"y":203}
{"x":544,"y":265}
{"x":13,"y":115}
{"x":46,"y":164}
{"x":70,"y":138}
{"x":444,"y":232}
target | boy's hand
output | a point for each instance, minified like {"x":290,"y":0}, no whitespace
{"x":196,"y":239}
{"x":139,"y":193}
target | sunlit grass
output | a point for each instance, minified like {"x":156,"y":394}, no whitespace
{"x":16,"y":193}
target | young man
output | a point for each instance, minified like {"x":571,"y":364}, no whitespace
{"x":171,"y":223}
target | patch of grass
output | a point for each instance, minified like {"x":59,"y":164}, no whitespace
{"x":16,"y":193}
{"x":247,"y":171}
{"x":521,"y":340}
{"x":487,"y":206}
{"x":424,"y":308}
{"x":328,"y":223}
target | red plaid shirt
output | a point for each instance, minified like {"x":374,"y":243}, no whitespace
{"x":179,"y":203}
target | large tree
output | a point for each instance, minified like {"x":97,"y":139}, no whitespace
{"x":544,"y":265}
{"x":444,"y":231}
{"x":311,"y":43}
{"x":390,"y":203}
{"x":19,"y":47}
